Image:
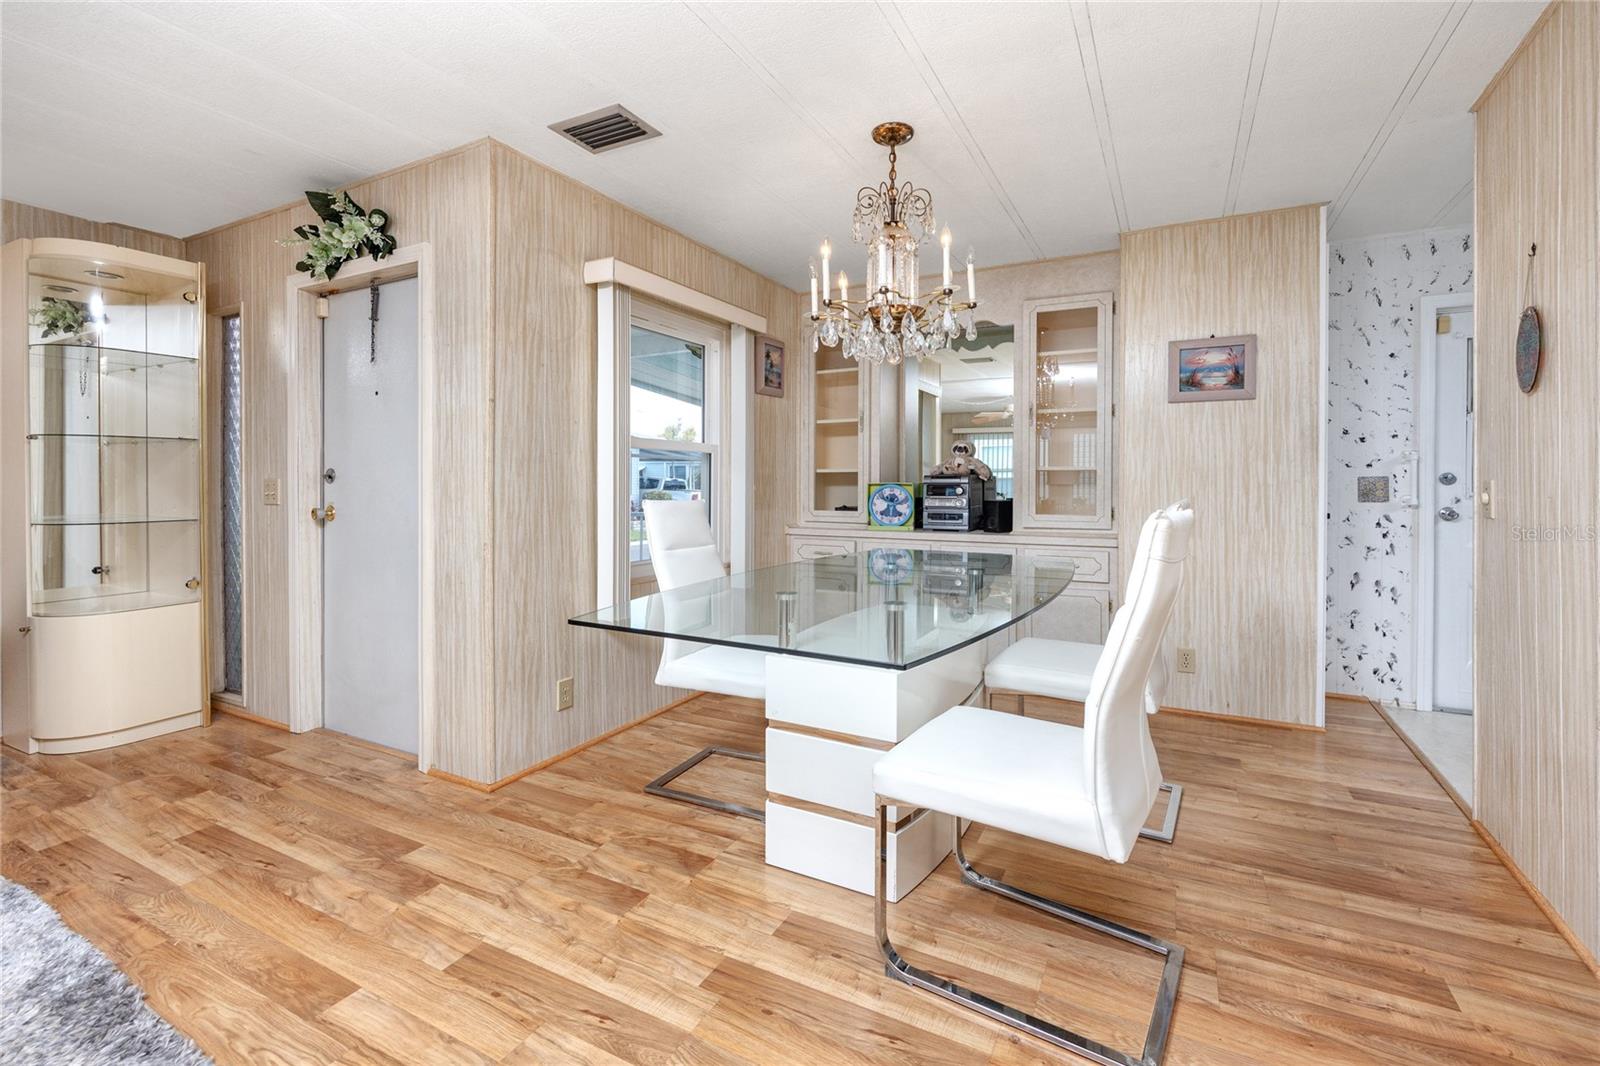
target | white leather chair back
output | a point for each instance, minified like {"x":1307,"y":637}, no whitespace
{"x":682,"y":548}
{"x":1121,"y":772}
{"x":683,"y":551}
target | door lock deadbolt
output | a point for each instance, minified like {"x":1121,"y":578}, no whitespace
{"x":1445,"y":478}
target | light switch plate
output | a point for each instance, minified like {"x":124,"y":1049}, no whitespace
{"x":269,"y":492}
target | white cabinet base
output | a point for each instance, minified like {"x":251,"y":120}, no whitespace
{"x":100,"y":680}
{"x":74,"y":745}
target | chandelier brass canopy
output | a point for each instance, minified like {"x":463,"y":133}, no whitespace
{"x":892,"y":321}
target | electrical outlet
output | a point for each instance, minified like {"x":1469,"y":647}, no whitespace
{"x":564,"y":693}
{"x":269,"y":492}
{"x":1185,"y":660}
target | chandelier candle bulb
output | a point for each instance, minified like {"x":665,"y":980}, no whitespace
{"x":844,"y":288}
{"x":944,"y":239}
{"x":972,"y":283}
{"x":827,"y":254}
{"x":813,"y":291}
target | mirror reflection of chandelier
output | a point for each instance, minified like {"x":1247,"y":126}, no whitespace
{"x":892,"y":321}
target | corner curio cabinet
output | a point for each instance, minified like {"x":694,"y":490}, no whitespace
{"x":102,"y":495}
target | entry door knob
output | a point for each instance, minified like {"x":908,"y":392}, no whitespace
{"x":1449,"y":514}
{"x":324,"y":514}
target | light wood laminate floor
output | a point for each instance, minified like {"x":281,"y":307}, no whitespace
{"x":308,"y":899}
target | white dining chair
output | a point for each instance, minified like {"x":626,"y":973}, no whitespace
{"x":683,"y":552}
{"x":1063,"y":670}
{"x":1088,"y":788}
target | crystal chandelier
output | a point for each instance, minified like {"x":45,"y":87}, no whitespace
{"x":891,"y":322}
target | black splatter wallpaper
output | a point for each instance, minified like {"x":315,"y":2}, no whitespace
{"x":1374,"y":288}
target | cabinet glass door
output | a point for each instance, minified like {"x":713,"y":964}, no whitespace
{"x":113,"y":440}
{"x":1069,"y":449}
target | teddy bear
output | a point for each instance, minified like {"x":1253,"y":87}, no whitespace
{"x":963,"y":461}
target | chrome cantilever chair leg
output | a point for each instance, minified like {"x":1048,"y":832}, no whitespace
{"x":658,"y":787}
{"x":1169,"y":824}
{"x":1155,"y":1042}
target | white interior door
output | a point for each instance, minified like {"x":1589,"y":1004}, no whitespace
{"x":370,"y":551}
{"x":1452,"y":497}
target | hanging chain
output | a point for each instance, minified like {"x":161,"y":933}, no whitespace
{"x":373,"y":319}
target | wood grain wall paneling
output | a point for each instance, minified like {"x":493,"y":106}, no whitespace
{"x":1251,"y":467}
{"x":1537,"y":656}
{"x":18,"y":221}
{"x":546,"y":227}
{"x":442,"y":201}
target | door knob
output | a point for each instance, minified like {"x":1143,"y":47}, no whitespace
{"x":324,"y":514}
{"x":1447,"y":478}
{"x":1449,"y":514}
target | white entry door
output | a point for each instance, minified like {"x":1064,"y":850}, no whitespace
{"x":370,"y":552}
{"x":1452,"y":498}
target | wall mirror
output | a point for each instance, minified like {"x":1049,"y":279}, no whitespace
{"x":965,"y":392}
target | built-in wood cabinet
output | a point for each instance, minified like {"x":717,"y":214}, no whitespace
{"x":836,"y":445}
{"x":860,"y":428}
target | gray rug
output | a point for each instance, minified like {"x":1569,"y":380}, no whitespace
{"x":62,"y":1003}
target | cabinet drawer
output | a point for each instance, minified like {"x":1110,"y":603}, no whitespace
{"x":1091,"y":566}
{"x":819,"y":547}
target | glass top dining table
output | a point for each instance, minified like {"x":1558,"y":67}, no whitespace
{"x":889,"y":607}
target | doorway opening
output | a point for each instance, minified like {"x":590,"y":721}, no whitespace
{"x":1441,"y":725}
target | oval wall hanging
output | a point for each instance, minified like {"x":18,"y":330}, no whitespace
{"x":1530,"y":349}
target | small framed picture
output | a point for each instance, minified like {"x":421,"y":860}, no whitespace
{"x":1216,"y":368}
{"x":769,"y":365}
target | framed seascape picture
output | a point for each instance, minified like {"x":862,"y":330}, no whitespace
{"x":769,"y":365}
{"x":1216,"y":368}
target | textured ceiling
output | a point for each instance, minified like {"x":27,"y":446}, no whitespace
{"x":1042,"y":129}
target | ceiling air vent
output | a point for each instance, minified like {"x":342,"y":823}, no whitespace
{"x":608,"y":128}
{"x":977,"y":360}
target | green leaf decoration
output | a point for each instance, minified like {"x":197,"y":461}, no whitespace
{"x":348,"y":233}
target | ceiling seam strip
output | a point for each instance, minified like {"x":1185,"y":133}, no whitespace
{"x":1260,"y":47}
{"x":941,"y":96}
{"x":1450,"y":204}
{"x":1419,"y":74}
{"x":1089,"y":60}
{"x":731,"y":41}
{"x":240,"y":57}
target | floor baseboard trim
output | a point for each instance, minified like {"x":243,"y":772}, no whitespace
{"x":223,"y":707}
{"x":495,"y":786}
{"x":1427,"y":763}
{"x":1585,"y":956}
{"x":1241,"y":719}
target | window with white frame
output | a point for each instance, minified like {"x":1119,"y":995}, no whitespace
{"x":676,"y":419}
